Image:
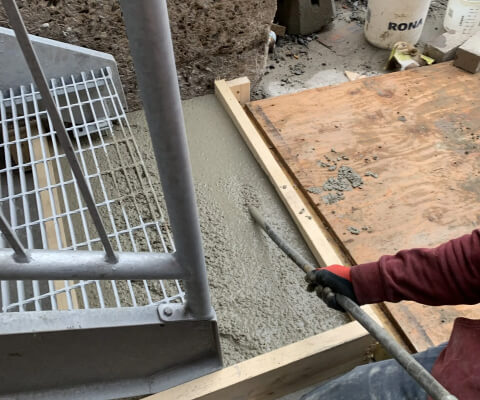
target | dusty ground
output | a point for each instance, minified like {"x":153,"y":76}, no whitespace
{"x":223,"y":40}
{"x":212,"y":39}
{"x":303,"y":62}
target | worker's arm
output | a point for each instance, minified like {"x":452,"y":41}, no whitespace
{"x":447,"y":274}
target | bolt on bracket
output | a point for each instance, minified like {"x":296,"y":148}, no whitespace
{"x":174,"y":312}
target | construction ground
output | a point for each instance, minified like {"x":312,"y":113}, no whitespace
{"x":266,"y":307}
{"x":258,"y":294}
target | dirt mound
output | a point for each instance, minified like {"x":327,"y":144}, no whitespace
{"x":212,"y":39}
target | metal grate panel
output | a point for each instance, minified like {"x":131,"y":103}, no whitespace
{"x":38,"y":194}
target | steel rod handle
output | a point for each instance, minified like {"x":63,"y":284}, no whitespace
{"x":406,"y":360}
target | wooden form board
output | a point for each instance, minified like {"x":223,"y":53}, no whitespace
{"x":42,"y":150}
{"x":314,"y":232}
{"x":281,"y":371}
{"x":418,"y":131}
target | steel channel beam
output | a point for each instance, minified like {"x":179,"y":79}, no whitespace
{"x":148,"y":32}
{"x":86,"y":265}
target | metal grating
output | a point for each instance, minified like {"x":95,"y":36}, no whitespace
{"x":38,"y":194}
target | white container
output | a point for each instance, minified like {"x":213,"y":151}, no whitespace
{"x":463,"y":17}
{"x":392,"y":21}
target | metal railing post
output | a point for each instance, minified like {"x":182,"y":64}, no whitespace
{"x":148,"y":32}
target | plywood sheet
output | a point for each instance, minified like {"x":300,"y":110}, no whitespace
{"x":419,"y":132}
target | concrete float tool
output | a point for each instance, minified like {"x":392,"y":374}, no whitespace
{"x":412,"y":366}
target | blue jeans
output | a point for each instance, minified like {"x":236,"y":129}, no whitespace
{"x":384,"y":380}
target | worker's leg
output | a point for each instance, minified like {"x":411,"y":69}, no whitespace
{"x":384,"y":380}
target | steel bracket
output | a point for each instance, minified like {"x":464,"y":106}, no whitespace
{"x":174,"y":312}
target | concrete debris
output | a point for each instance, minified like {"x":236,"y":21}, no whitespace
{"x":297,"y":69}
{"x":340,"y":184}
{"x":332,"y":198}
{"x":444,"y":47}
{"x":468,"y":55}
{"x":331,"y":167}
{"x":302,"y":41}
{"x":315,"y":190}
{"x":347,"y":179}
{"x":349,"y":174}
{"x":353,"y":230}
{"x":372,"y":174}
{"x":358,"y":11}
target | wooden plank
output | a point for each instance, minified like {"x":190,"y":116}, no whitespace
{"x":418,"y":131}
{"x":240,"y":88}
{"x":279,"y":30}
{"x":47,"y":210}
{"x":314,"y":232}
{"x":281,"y":371}
{"x":353,"y":76}
{"x":308,"y":225}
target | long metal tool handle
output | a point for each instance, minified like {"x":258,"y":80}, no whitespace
{"x":31,"y":58}
{"x":412,"y":366}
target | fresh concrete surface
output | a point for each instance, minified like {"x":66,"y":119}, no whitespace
{"x":258,"y":293}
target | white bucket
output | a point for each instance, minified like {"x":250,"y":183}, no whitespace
{"x":392,"y":21}
{"x":462,"y":17}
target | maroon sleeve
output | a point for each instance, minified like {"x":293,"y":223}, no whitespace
{"x":447,"y":274}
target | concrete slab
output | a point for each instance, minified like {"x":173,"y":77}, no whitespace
{"x":259,"y":295}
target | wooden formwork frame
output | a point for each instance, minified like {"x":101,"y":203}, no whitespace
{"x":49,"y":209}
{"x":299,"y":365}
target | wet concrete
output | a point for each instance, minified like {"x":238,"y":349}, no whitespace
{"x":258,"y":293}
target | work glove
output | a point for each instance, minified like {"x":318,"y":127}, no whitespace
{"x":330,"y":280}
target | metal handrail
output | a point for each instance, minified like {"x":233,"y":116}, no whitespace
{"x":151,"y":46}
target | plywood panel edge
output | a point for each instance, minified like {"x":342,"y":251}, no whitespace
{"x":290,"y":195}
{"x":281,"y":371}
